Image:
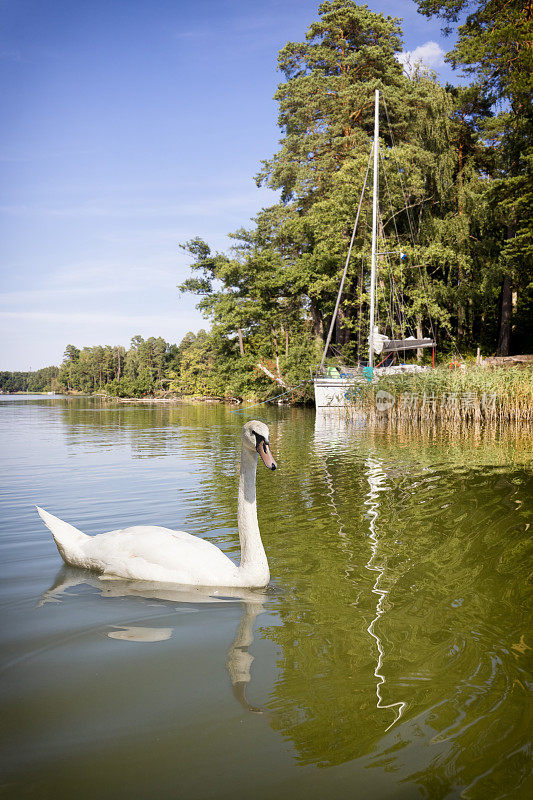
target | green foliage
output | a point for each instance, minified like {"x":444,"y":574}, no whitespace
{"x":494,"y":46}
{"x":326,"y":103}
{"x":203,"y":364}
{"x":115,"y":371}
{"x":494,"y":42}
{"x":42,"y":380}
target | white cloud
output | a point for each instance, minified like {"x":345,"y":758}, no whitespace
{"x":95,"y":319}
{"x":122,"y":276}
{"x":207,"y":205}
{"x":430,"y":54}
{"x":76,"y":280}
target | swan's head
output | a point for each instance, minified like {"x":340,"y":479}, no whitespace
{"x":255,"y":436}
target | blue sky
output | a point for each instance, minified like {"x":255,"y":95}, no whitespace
{"x":130,"y":126}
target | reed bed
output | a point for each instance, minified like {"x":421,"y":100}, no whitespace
{"x":476,"y":395}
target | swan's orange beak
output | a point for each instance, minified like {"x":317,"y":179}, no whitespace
{"x":264,"y":451}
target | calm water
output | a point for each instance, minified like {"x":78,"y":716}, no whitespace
{"x":388,"y":658}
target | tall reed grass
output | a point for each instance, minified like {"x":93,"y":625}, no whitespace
{"x":478,"y":394}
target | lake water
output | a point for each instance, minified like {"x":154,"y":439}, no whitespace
{"x":387,"y":659}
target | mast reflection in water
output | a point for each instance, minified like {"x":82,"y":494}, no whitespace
{"x":376,"y":480}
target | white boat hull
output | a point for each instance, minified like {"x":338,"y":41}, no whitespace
{"x":333,"y":392}
{"x":339,"y":392}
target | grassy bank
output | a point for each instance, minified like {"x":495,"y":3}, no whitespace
{"x":500,"y":394}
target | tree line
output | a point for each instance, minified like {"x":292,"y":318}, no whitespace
{"x":148,"y":366}
{"x":40,"y":380}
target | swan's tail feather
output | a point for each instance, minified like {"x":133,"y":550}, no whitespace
{"x":68,"y":539}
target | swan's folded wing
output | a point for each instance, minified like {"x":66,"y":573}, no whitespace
{"x":160,"y":554}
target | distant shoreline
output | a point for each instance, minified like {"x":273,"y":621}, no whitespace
{"x":166,"y":400}
{"x":145,"y":400}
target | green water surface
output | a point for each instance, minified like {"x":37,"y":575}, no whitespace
{"x":388,"y":658}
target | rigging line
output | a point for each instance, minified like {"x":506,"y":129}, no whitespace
{"x":399,"y":173}
{"x":360,"y":310}
{"x":377,"y":286}
{"x":397,"y":239}
{"x":424,"y":279}
{"x":338,"y":354}
{"x":393,"y":217}
{"x":423,"y":276}
{"x":413,"y":205}
{"x":392,"y":283}
{"x":333,"y":319}
{"x":388,"y":306}
{"x":409,"y":217}
{"x":453,"y":341}
{"x":399,"y":301}
{"x":394,"y":300}
{"x":411,"y":222}
{"x":407,"y":213}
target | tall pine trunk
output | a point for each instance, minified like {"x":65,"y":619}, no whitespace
{"x":506,"y":313}
{"x":419,"y":335}
{"x":318,"y":322}
{"x":342,"y":331}
{"x":276,"y":350}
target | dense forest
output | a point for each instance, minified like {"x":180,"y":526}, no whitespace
{"x":456,"y":214}
{"x":42,"y":380}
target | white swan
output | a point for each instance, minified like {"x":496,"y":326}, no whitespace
{"x":152,"y":553}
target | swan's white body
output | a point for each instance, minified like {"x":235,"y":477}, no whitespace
{"x":152,"y":553}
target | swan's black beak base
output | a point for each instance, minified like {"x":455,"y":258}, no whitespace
{"x":264,"y":451}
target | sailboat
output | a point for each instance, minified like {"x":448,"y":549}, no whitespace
{"x":334,"y":390}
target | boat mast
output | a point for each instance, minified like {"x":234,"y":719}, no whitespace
{"x":374,"y":233}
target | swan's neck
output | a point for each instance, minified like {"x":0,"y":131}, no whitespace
{"x":253,"y":557}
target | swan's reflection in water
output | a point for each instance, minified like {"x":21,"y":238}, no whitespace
{"x":136,"y":633}
{"x":238,"y":658}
